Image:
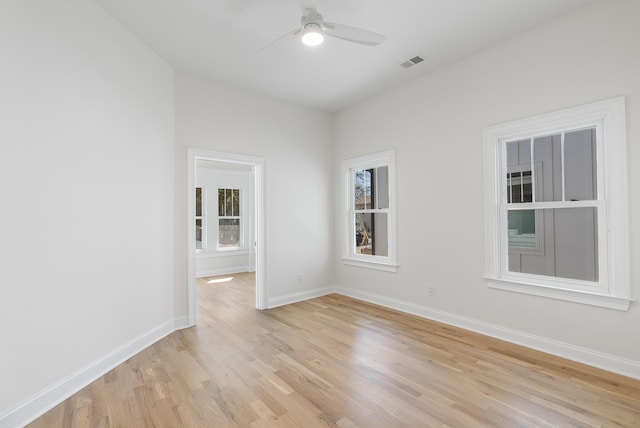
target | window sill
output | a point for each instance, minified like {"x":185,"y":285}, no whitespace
{"x":575,"y":296}
{"x":387,"y":267}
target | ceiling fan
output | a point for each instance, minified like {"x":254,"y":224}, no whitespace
{"x":313,"y":29}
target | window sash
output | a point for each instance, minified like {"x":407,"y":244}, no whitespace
{"x":354,"y":211}
{"x":535,"y":168}
{"x":601,"y":285}
{"x":240,"y":233}
{"x":507,"y":204}
{"x":230,"y":208}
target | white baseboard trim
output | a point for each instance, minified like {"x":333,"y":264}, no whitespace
{"x":180,"y":323}
{"x":60,"y":391}
{"x":298,"y":297}
{"x":222,"y":271}
{"x":590,"y":357}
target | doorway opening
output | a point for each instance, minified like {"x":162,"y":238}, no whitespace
{"x":238,"y":207}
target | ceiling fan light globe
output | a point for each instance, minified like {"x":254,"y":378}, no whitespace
{"x":312,"y":35}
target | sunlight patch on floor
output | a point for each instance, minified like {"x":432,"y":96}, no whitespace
{"x":219,"y":280}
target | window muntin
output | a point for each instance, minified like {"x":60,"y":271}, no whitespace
{"x":370,"y":214}
{"x":200,"y":232}
{"x":574,"y":206}
{"x":229,"y":218}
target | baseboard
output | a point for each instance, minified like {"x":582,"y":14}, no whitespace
{"x":55,"y":394}
{"x":222,"y":271}
{"x":298,"y":297}
{"x":590,"y":357}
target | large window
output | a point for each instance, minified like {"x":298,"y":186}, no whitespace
{"x":229,"y":230}
{"x":556,"y":205}
{"x":370,"y":211}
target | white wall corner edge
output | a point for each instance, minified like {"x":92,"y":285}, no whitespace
{"x":60,"y":391}
{"x":287,"y":299}
{"x":586,"y":356}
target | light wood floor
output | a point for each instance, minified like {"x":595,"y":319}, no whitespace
{"x":335,"y":361}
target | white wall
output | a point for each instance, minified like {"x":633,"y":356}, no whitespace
{"x":436,"y":124}
{"x":213,"y":261}
{"x":296,"y":145}
{"x":86,"y":194}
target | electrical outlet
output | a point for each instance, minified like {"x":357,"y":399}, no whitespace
{"x":299,"y":278}
{"x":432,"y":291}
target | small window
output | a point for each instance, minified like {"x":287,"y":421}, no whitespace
{"x":556,"y":205}
{"x":200,"y":242}
{"x":370,"y":214}
{"x":229,"y":219}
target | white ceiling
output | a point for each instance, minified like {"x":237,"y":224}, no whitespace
{"x":222,"y":39}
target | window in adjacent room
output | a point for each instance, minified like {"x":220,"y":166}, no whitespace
{"x":229,"y":219}
{"x":556,"y":205}
{"x":200,"y":242}
{"x":370,"y":211}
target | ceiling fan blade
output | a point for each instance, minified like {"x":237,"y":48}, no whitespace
{"x":353,"y":34}
{"x":284,"y":36}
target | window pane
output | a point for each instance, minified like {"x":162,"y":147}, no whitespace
{"x":382,"y":186}
{"x":362,"y":189}
{"x":580,"y":165}
{"x":228,"y":202}
{"x":236,"y":202}
{"x":358,"y":189}
{"x":198,"y":234}
{"x":371,"y":188}
{"x":221,"y":200}
{"x":199,"y":201}
{"x":519,"y":153}
{"x":519,"y":187}
{"x":519,"y":174}
{"x":522,"y":229}
{"x":371,"y":236}
{"x":547,"y":153}
{"x":229,"y":232}
{"x":570,"y":244}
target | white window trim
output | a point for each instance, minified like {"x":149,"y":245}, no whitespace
{"x":614,"y":287}
{"x":388,"y":263}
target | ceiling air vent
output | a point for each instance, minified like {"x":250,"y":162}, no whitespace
{"x":413,"y":61}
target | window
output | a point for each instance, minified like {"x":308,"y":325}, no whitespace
{"x":229,"y":230}
{"x":200,"y":242}
{"x":556,"y":205}
{"x":370,"y":211}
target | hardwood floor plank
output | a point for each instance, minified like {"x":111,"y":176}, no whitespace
{"x":339,"y":362}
